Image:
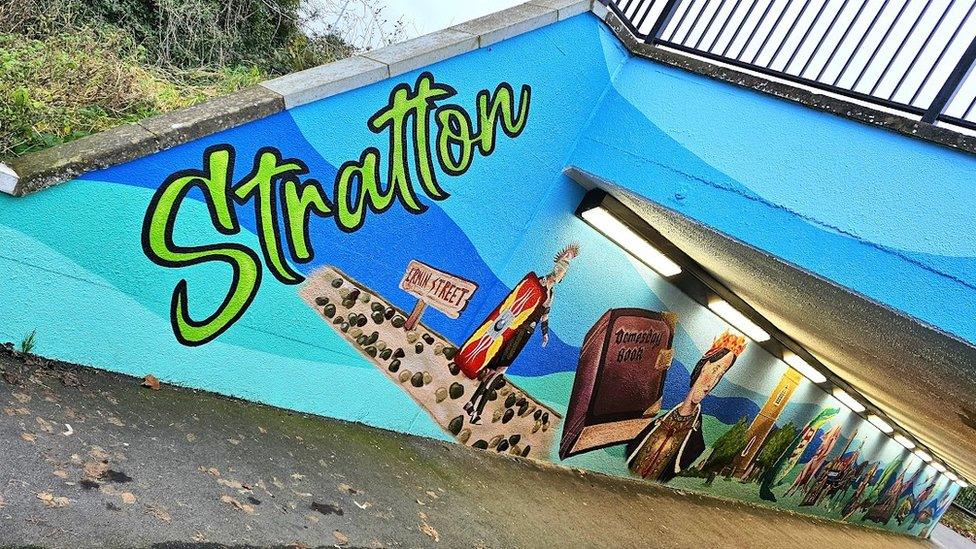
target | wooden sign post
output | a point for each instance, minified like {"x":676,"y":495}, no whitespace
{"x":445,"y":292}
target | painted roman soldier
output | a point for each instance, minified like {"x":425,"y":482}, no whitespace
{"x":671,"y":443}
{"x":495,"y":345}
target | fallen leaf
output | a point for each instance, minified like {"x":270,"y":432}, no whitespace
{"x":326,"y":508}
{"x":51,"y":501}
{"x":233,"y":441}
{"x":160,"y":512}
{"x":234,"y":503}
{"x":199,"y":537}
{"x":433,"y":495}
{"x":341,"y":539}
{"x":151,"y":382}
{"x":429,"y":530}
{"x":348,"y":489}
{"x":2,"y":504}
{"x":213,"y":471}
{"x":233,"y":484}
{"x":297,"y":476}
{"x":44,"y":425}
{"x":97,"y":452}
{"x":21,"y":397}
{"x":61,"y":474}
{"x":190,"y":437}
{"x":28,"y":437}
{"x":128,"y":498}
{"x":95,"y":469}
{"x":263,"y":430}
{"x":115,"y":421}
{"x":364,"y":506}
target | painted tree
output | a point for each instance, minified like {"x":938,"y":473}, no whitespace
{"x":773,"y":448}
{"x":725,"y":449}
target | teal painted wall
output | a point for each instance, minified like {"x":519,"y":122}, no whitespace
{"x":77,"y":267}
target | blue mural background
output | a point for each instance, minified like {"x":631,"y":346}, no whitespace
{"x":76,"y":271}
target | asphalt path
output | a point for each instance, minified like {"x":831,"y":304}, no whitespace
{"x":90,"y":458}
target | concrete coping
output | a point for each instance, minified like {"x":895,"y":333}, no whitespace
{"x":35,"y":171}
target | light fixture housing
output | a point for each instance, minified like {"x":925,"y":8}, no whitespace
{"x":731,"y":315}
{"x":848,"y":400}
{"x":802,"y":366}
{"x":923,"y":455}
{"x":962,"y":483}
{"x":951,"y":476}
{"x":938,"y":467}
{"x":616,"y":230}
{"x":881,"y":424}
{"x":904,"y":441}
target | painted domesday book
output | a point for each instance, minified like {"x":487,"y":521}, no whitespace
{"x":619,"y":379}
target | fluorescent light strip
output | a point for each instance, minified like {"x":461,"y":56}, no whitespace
{"x":848,"y":400}
{"x":630,"y":241}
{"x":803,"y":367}
{"x":901,"y":439}
{"x":923,"y":455}
{"x":951,"y":476}
{"x":938,"y":467}
{"x":731,"y":315}
{"x":962,"y":483}
{"x":881,"y":424}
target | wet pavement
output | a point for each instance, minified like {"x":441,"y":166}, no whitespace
{"x":92,"y":459}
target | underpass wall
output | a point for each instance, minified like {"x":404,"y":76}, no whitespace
{"x":406,"y":254}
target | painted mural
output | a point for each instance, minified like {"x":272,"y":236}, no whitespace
{"x":406,"y":255}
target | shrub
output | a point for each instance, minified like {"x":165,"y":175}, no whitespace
{"x":67,"y":86}
{"x":69,"y":68}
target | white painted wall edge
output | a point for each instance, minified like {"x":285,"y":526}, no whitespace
{"x":8,"y":179}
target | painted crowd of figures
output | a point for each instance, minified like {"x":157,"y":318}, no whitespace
{"x":616,"y":399}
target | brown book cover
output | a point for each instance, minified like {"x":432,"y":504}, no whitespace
{"x":619,"y":379}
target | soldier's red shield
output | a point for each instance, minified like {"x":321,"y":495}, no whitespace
{"x":487,"y":342}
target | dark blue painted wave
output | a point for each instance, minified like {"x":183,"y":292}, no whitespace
{"x":377,"y":254}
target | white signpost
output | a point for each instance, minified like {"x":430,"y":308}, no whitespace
{"x":445,"y":292}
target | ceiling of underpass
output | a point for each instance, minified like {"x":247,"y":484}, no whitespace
{"x":922,"y":378}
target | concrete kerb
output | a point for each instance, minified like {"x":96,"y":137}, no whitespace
{"x":495,"y":27}
{"x":184,"y":125}
{"x":56,"y":165}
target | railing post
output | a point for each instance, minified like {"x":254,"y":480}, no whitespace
{"x":952,"y":85}
{"x":662,"y":21}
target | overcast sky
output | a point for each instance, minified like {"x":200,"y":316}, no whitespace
{"x":423,"y":16}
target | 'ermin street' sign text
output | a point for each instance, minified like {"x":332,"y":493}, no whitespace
{"x":447,"y":293}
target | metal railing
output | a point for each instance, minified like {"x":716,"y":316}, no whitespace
{"x":914,"y":56}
